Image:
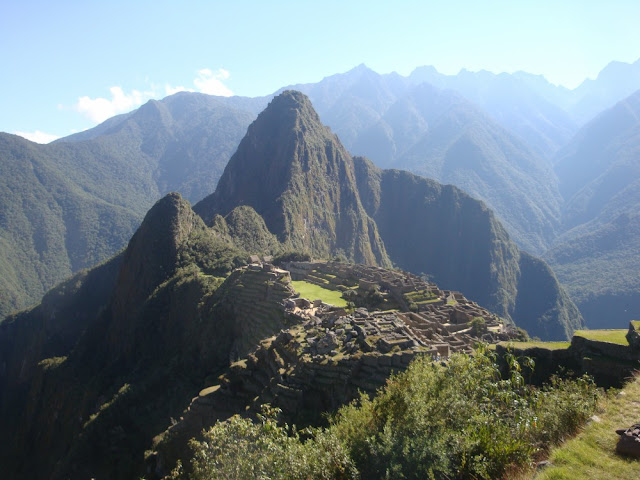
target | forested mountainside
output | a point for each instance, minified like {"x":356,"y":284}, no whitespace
{"x":71,"y":204}
{"x":597,"y":256}
{"x":183,"y":142}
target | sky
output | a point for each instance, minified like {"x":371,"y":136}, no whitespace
{"x":69,"y":65}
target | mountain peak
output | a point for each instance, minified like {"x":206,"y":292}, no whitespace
{"x":152,"y":253}
{"x":290,"y":98}
{"x":294,"y":172}
{"x":290,"y":109}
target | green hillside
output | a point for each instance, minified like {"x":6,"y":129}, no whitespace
{"x":596,"y":258}
{"x":71,"y":204}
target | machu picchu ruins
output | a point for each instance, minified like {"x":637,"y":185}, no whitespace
{"x":323,"y":355}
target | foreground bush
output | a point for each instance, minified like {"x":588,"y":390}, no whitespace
{"x":459,"y":420}
{"x":240,"y":449}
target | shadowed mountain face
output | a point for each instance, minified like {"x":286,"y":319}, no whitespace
{"x":412,"y":125}
{"x":114,"y":352}
{"x":457,"y":240}
{"x":596,"y":257}
{"x":314,"y":197}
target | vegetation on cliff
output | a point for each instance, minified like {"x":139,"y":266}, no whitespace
{"x":460,"y":420}
{"x":76,"y":202}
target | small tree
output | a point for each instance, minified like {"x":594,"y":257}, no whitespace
{"x":478,"y":326}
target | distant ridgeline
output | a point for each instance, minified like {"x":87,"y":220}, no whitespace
{"x":512,"y":141}
{"x":91,"y":375}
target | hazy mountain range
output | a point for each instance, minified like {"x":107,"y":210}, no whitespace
{"x":597,"y":255}
{"x":70,"y":204}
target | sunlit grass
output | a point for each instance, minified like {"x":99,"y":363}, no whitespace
{"x":313,"y":292}
{"x":592,"y":453}
{"x":611,"y":336}
{"x":545,"y":345}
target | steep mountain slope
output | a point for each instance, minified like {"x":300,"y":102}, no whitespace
{"x":596,"y":257}
{"x":92,"y":374}
{"x":51,"y":224}
{"x":601,"y":162}
{"x":441,"y":135}
{"x":315,"y":198}
{"x":439,"y":230}
{"x":69,"y":205}
{"x":297,"y":175}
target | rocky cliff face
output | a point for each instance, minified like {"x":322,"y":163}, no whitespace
{"x":443,"y":232}
{"x":297,"y":175}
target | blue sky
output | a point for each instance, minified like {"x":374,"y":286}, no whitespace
{"x":67,"y":65}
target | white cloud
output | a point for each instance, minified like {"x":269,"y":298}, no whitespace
{"x":38,"y":136}
{"x":99,"y":109}
{"x":210,"y":82}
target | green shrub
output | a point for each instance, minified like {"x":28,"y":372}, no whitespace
{"x":240,"y":449}
{"x":291,"y":256}
{"x":462,"y":419}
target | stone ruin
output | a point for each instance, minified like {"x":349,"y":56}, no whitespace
{"x":439,"y":317}
{"x":329,"y":355}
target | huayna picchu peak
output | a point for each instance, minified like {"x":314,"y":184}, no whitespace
{"x":297,"y":175}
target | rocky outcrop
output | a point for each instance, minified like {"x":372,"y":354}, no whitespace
{"x":629,"y":442}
